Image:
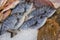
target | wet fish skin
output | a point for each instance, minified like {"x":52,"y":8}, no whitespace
{"x":33,"y":23}
{"x":11,"y":5}
{"x":21,"y":8}
{"x":9,"y":23}
{"x":2,"y":3}
{"x":44,"y":11}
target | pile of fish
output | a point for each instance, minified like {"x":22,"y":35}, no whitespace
{"x":22,"y":14}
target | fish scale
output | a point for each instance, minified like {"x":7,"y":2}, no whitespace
{"x":18,"y":11}
{"x":31,"y":23}
{"x":44,"y":12}
{"x":10,"y":23}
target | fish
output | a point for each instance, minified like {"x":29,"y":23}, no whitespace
{"x":2,"y":3}
{"x":9,"y":23}
{"x":21,"y":21}
{"x":38,"y":3}
{"x":56,"y":3}
{"x":44,"y":11}
{"x":10,"y":5}
{"x":4,"y":15}
{"x":30,"y":18}
{"x":33,"y":23}
{"x":51,"y":3}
